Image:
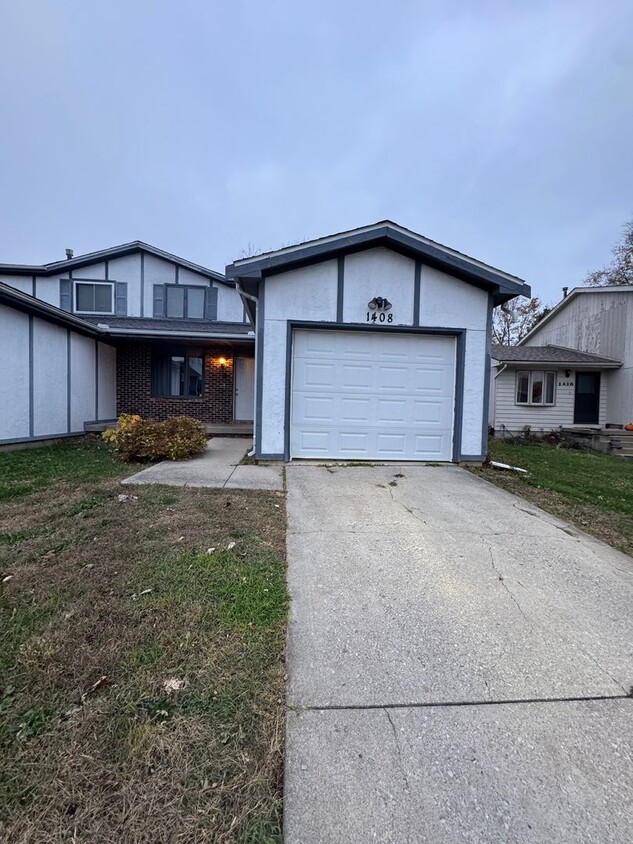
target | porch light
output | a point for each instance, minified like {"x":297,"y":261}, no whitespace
{"x":222,"y":361}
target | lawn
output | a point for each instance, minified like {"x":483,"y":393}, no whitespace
{"x":142,"y":659}
{"x":593,"y":491}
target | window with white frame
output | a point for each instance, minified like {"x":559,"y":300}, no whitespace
{"x":94,"y":297}
{"x":535,"y":387}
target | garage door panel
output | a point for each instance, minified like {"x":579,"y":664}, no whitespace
{"x":354,"y":410}
{"x":372,"y":395}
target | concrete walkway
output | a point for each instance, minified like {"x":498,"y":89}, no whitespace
{"x":459,"y":663}
{"x":218,"y":468}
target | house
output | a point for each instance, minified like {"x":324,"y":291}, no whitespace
{"x":548,"y":387}
{"x":131,"y":329}
{"x":372,"y":344}
{"x":573,"y":370}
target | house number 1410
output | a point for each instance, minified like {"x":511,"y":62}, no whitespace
{"x":372,"y":316}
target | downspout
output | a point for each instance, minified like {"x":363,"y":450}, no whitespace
{"x":245,"y":295}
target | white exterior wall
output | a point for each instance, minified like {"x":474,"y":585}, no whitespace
{"x":599,"y":322}
{"x":311,"y":294}
{"x":14,"y":374}
{"x":541,"y":418}
{"x":140,"y":275}
{"x":50,"y":360}
{"x":107,"y":382}
{"x":34,"y":378}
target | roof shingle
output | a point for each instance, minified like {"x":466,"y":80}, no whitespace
{"x":548,"y":354}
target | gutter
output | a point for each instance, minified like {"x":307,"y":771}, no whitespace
{"x":198,"y":335}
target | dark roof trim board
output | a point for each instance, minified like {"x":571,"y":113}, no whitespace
{"x":249,"y":271}
{"x":576,"y":291}
{"x":108,"y":254}
{"x":29,"y":305}
{"x":555,"y":355}
{"x":131,"y":327}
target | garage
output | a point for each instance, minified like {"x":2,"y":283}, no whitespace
{"x":365,"y":395}
{"x":371,"y":345}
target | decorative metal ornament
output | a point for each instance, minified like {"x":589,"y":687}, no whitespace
{"x":379,"y":303}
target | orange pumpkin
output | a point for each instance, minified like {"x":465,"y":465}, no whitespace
{"x":629,"y":427}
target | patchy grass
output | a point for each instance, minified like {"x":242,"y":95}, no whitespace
{"x":78,"y":461}
{"x":183,"y":740}
{"x":592,"y":490}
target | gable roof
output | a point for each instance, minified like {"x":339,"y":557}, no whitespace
{"x":550,"y":354}
{"x":106,"y":254}
{"x":503,"y":286}
{"x":576,"y":291}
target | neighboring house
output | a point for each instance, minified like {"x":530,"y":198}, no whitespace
{"x":548,"y":387}
{"x":597,"y":320}
{"x":130,"y":329}
{"x":372,"y":344}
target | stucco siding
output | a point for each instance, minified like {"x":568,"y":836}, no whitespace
{"x":107,"y":382}
{"x":19,"y":282}
{"x":14,"y":374}
{"x":49,"y":379}
{"x":230,"y":307}
{"x":378,"y":272}
{"x":128,"y":269}
{"x":451,"y":303}
{"x":82,"y":381}
{"x":540,"y":418}
{"x":311,"y":294}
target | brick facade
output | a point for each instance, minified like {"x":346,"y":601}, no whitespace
{"x":134,"y":387}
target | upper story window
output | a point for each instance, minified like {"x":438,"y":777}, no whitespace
{"x":535,"y":387}
{"x":94,"y":297}
{"x":184,"y":302}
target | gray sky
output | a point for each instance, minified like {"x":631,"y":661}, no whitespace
{"x":502,"y":128}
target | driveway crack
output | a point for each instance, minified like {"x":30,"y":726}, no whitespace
{"x":398,"y":748}
{"x":503,"y":583}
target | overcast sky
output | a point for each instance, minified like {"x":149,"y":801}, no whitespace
{"x":503,"y":128}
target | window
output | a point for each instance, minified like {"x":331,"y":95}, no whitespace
{"x":93,"y":297}
{"x":182,"y":302}
{"x":535,"y":387}
{"x":178,"y":374}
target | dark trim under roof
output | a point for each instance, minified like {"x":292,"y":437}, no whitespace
{"x":559,"y":355}
{"x":108,"y":328}
{"x":249,"y":271}
{"x":36,"y":307}
{"x":107,"y":254}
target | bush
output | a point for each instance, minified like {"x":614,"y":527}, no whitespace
{"x":177,"y":438}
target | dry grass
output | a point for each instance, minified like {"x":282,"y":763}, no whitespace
{"x":131,"y":761}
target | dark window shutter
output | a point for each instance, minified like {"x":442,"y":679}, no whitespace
{"x":120,"y":298}
{"x":66,"y":294}
{"x":211,"y":304}
{"x":159,"y":300}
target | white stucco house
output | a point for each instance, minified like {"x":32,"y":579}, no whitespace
{"x":573,"y":370}
{"x":372,"y":344}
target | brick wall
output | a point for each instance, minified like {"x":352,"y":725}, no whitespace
{"x":134,"y":387}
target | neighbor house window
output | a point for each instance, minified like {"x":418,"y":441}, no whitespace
{"x":178,"y":375}
{"x":94,"y":297}
{"x":183,"y":302}
{"x":534,"y":387}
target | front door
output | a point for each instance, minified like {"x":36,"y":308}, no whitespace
{"x":587,"y":399}
{"x":244,"y":389}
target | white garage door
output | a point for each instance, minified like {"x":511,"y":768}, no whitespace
{"x":370,"y":395}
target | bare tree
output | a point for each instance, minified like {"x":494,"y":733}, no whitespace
{"x":620,"y":270}
{"x":512,"y":321}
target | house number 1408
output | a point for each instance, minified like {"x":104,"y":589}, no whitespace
{"x":372,"y":316}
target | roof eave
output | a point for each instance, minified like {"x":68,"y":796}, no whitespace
{"x":502,"y":287}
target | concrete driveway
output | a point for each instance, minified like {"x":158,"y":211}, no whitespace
{"x":459,"y":665}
